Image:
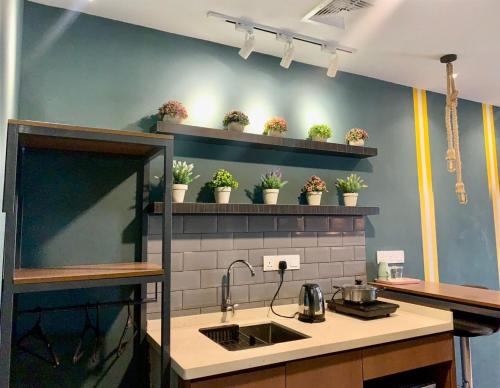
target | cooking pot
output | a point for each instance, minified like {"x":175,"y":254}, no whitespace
{"x":358,"y":293}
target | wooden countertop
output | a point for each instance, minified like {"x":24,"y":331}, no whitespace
{"x":194,"y":355}
{"x":449,"y":292}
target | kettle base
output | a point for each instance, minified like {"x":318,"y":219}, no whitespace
{"x":309,"y":319}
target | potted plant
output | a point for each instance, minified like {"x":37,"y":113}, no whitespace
{"x":314,"y":188}
{"x":235,"y":121}
{"x":222,"y":182}
{"x":350,"y":188}
{"x":275,"y":126}
{"x":320,"y":132}
{"x":173,"y":112}
{"x":356,"y":137}
{"x":182,"y":174}
{"x":271,"y":183}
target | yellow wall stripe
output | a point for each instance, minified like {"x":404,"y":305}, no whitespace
{"x":492,"y":172}
{"x":426,"y":193}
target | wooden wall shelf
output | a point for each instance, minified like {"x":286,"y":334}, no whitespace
{"x":42,"y":135}
{"x":249,"y":208}
{"x":55,"y":278}
{"x":218,"y":136}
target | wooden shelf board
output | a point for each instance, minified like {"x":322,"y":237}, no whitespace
{"x":218,"y":136}
{"x":85,"y":272}
{"x":42,"y":135}
{"x":249,"y":208}
{"x":449,"y":292}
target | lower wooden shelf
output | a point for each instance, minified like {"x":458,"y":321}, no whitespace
{"x":81,"y":276}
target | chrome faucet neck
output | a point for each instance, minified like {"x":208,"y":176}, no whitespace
{"x":226,"y":299}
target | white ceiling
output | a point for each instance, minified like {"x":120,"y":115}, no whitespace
{"x":397,"y":40}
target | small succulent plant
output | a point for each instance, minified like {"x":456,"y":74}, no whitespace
{"x":273,"y":179}
{"x":182,"y":173}
{"x":352,"y":184}
{"x":314,"y":184}
{"x":235,"y":116}
{"x":356,"y":134}
{"x":173,"y":109}
{"x":320,"y":130}
{"x":223,"y":178}
{"x":275,"y":124}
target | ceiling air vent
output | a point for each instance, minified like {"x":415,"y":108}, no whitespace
{"x":332,"y":12}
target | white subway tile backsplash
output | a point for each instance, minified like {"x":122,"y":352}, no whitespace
{"x":331,"y":249}
{"x":199,"y":298}
{"x":200,"y":260}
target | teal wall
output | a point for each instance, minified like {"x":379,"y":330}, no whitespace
{"x":465,"y":234}
{"x":109,"y":74}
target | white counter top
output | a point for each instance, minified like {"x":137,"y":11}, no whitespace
{"x":195,"y":356}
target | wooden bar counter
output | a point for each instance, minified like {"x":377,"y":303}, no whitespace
{"x":447,"y":296}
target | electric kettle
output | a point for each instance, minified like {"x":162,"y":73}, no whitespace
{"x":311,"y":303}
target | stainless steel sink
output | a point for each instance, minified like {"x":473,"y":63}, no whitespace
{"x":234,"y":337}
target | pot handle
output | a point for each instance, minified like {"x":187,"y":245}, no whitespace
{"x":338,"y":289}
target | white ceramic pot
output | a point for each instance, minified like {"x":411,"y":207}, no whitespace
{"x":350,"y":199}
{"x":319,"y":138}
{"x":172,"y":120}
{"x":222,"y":194}
{"x":314,"y":198}
{"x":178,"y":192}
{"x":360,"y":142}
{"x":270,"y":196}
{"x":236,"y":127}
{"x":275,"y":133}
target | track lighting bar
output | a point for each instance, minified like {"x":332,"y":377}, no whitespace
{"x":275,"y":31}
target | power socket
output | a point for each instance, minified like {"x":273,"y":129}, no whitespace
{"x":271,"y":263}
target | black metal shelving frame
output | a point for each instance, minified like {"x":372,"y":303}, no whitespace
{"x":31,"y":134}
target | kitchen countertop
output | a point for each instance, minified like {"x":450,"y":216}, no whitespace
{"x":195,"y":356}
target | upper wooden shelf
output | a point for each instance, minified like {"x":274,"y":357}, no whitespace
{"x":250,"y":208}
{"x":218,"y":136}
{"x":83,"y":273}
{"x":37,"y":134}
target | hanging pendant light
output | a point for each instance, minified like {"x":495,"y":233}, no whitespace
{"x":453,"y":157}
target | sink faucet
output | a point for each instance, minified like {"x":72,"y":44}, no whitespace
{"x":226,"y":297}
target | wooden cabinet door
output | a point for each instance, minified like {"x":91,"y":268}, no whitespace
{"x":343,"y":370}
{"x":389,"y":359}
{"x":273,"y":377}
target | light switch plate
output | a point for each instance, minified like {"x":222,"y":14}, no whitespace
{"x":271,"y":263}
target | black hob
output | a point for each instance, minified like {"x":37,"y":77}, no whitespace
{"x":370,"y":310}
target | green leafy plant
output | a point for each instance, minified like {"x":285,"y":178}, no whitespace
{"x":352,"y":184}
{"x":320,"y":130}
{"x":314,"y":184}
{"x":273,"y":179}
{"x":223,"y":178}
{"x":356,"y":134}
{"x":275,"y":124}
{"x":235,"y":116}
{"x":182,"y":172}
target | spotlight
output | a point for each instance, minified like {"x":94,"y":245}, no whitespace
{"x":287,"y":54}
{"x":248,"y":45}
{"x":333,"y":66}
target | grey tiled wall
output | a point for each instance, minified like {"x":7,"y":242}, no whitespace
{"x":331,"y":249}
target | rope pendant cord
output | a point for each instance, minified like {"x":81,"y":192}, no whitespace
{"x":453,"y":157}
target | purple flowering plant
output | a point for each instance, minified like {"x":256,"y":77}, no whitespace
{"x":272,"y":179}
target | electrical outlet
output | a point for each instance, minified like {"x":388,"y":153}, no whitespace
{"x":271,"y":263}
